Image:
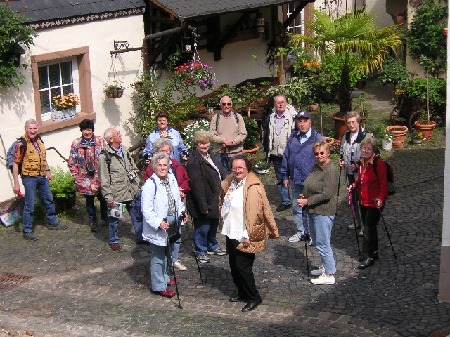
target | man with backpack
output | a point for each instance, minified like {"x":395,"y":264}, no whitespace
{"x":119,"y":180}
{"x":30,"y":161}
{"x":228,"y":133}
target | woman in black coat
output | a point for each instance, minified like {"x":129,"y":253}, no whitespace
{"x":205,"y":175}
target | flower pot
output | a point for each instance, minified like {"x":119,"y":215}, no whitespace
{"x":386,"y":145}
{"x":114,"y":92}
{"x":426,"y":129}
{"x":340,"y":128}
{"x":399,"y":133}
{"x":417,"y":141}
{"x":251,"y":151}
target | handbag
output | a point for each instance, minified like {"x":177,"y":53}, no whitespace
{"x":173,"y":232}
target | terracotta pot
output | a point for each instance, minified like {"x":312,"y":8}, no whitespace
{"x":399,"y":133}
{"x":251,"y":151}
{"x":340,"y":128}
{"x":445,"y":31}
{"x":426,"y":129}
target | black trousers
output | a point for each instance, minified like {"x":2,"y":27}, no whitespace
{"x":241,"y":265}
{"x":370,"y":217}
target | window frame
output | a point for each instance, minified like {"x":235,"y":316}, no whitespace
{"x":86,"y":109}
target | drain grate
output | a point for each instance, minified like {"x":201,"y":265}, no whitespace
{"x":10,"y":280}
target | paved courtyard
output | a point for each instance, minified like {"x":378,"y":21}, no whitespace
{"x":79,"y":287}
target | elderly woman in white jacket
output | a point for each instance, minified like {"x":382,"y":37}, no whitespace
{"x":161,"y":206}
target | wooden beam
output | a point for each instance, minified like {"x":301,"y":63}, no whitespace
{"x":294,"y":14}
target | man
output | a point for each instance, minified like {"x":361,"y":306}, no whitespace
{"x":298,"y":160}
{"x":119,"y":180}
{"x":35,"y":175}
{"x":280,"y":125}
{"x":228,"y":133}
{"x":350,"y":155}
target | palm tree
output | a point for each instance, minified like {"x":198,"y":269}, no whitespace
{"x":351,"y":36}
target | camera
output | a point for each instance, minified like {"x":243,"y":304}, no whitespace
{"x":132,"y":175}
{"x":182,"y":216}
{"x":114,"y":213}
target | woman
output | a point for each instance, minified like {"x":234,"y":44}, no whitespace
{"x":247,"y":222}
{"x":372,"y":191}
{"x":161,"y":206}
{"x":163,"y":130}
{"x":83,"y":164}
{"x":319,"y":199}
{"x":164,"y":145}
{"x":205,"y":174}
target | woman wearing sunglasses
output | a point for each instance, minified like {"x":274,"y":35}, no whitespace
{"x":319,"y":199}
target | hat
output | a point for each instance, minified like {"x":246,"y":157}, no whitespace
{"x":303,"y":114}
{"x":86,"y":124}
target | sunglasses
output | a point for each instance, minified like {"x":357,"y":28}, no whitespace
{"x":317,"y":153}
{"x":226,"y":104}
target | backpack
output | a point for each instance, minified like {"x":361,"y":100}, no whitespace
{"x":389,"y":173}
{"x":10,"y":154}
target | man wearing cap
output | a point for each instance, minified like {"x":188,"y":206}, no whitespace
{"x":298,"y":160}
{"x":83,"y":164}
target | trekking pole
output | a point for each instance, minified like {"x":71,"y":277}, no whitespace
{"x":169,"y":257}
{"x":350,"y":201}
{"x":195,"y":256}
{"x":339,"y":187}
{"x":387,"y":233}
{"x":307,"y":240}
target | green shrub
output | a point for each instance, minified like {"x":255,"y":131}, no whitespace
{"x":62,"y":184}
{"x":252,"y":138}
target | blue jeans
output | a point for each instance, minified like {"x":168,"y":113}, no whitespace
{"x":92,"y":210}
{"x":321,"y":226}
{"x":134,"y":209}
{"x":300,"y":217}
{"x":159,"y":268}
{"x":225,"y":160}
{"x":176,"y":249}
{"x":205,"y":231}
{"x":40,"y":184}
{"x":284,"y":191}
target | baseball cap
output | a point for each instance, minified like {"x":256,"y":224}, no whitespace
{"x":303,"y":114}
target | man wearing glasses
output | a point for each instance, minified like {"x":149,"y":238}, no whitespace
{"x":228,"y":133}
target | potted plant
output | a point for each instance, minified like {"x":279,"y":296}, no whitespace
{"x":425,"y":125}
{"x":261,"y":167}
{"x":386,"y":137}
{"x":252,"y":139}
{"x":64,"y":106}
{"x":417,"y":137}
{"x":114,"y":90}
{"x":63,"y":189}
{"x":190,"y":130}
{"x":399,"y":133}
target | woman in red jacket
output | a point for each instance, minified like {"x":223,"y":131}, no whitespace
{"x":373,"y":191}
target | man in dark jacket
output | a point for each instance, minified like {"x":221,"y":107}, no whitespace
{"x":298,"y":160}
{"x":205,"y":175}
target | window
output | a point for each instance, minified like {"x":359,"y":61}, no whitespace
{"x":60,"y":73}
{"x":296,"y":27}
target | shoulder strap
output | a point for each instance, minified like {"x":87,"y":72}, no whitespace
{"x":235,"y":117}
{"x":154,"y":183}
{"x":108,"y":162}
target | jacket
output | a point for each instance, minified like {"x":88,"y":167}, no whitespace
{"x":80,"y":151}
{"x":321,"y":189}
{"x":228,"y":127}
{"x":298,"y":159}
{"x":34,"y":163}
{"x":177,"y":169}
{"x":351,"y":152}
{"x":258,"y":216}
{"x":205,"y":186}
{"x":277,"y":142}
{"x":116,"y":186}
{"x":372,"y":185}
{"x":155,"y":205}
{"x":178,"y":147}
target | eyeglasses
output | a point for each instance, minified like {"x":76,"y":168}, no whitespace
{"x":226,"y":104}
{"x":317,"y":153}
{"x":238,"y":169}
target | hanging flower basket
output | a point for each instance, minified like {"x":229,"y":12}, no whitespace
{"x":112,"y":91}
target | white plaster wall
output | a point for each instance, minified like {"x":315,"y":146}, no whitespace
{"x":17,"y":106}
{"x":446,"y":220}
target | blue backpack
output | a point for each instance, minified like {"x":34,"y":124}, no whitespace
{"x":10,"y":153}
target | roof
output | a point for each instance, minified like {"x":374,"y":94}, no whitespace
{"x":48,"y":10}
{"x":185,"y":9}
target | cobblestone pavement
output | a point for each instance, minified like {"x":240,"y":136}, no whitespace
{"x":79,"y":287}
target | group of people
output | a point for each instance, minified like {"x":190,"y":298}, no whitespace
{"x":215,"y":186}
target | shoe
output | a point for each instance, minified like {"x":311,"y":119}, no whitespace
{"x":166,"y":293}
{"x":30,"y":236}
{"x":57,"y":226}
{"x":202,"y":258}
{"x":361,"y":234}
{"x":283,"y":207}
{"x":172,"y":282}
{"x":251,"y":305}
{"x":237,"y":298}
{"x":217,"y":251}
{"x":318,"y":272}
{"x":93,"y":226}
{"x":324,"y":279}
{"x":352,"y":226}
{"x":366,"y":263}
{"x":295,"y":238}
{"x":178,"y":266}
{"x":115,"y":246}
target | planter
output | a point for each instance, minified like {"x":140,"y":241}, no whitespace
{"x":251,"y":153}
{"x":60,"y":115}
{"x":426,"y":129}
{"x":340,"y":128}
{"x":399,"y":133}
{"x":417,"y":141}
{"x":114,"y":92}
{"x":386,"y":145}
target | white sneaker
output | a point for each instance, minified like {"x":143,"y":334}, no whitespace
{"x":318,"y":272}
{"x":295,"y":238}
{"x":324,"y":279}
{"x":178,"y":266}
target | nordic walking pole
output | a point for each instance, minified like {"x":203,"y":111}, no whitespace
{"x":350,"y":201}
{"x":307,"y":239}
{"x":339,"y":187}
{"x":387,"y":233}
{"x":196,"y":259}
{"x":169,"y":257}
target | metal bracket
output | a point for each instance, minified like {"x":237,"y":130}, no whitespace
{"x":122,"y":47}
